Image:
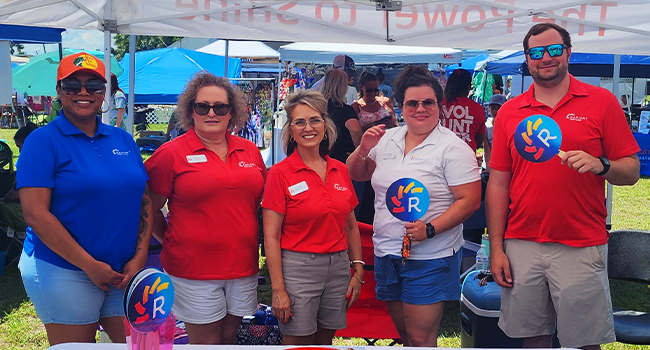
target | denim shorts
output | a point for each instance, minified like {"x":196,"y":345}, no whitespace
{"x":418,"y":282}
{"x":67,"y":296}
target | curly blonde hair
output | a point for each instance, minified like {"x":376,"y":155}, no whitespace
{"x":317,"y":102}
{"x":185,"y":105}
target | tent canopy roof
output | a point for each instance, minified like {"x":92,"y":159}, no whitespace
{"x":324,"y":53}
{"x":161,"y":74}
{"x":30,"y":35}
{"x":605,"y":27}
{"x":242,"y":49}
{"x":580,"y":64}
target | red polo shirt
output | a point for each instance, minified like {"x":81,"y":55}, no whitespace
{"x":213,"y":224}
{"x":315,"y":213}
{"x":551,"y":202}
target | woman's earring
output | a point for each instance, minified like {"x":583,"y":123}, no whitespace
{"x":291,"y":139}
{"x":108,"y":107}
{"x":325,"y":137}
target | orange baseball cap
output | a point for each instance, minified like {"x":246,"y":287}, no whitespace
{"x":80,"y":61}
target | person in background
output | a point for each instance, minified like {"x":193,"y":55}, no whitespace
{"x":173,"y":128}
{"x":311,"y":236}
{"x":345,"y":63}
{"x":496,"y":101}
{"x":344,"y":117}
{"x":547,"y":221}
{"x":384,"y":88}
{"x":212,"y":182}
{"x":416,"y":282}
{"x":117,"y":104}
{"x":84,"y":196}
{"x":460,"y":114}
{"x":13,"y":196}
{"x":371,"y":108}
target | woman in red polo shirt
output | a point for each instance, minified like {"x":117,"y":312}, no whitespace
{"x":212,"y":183}
{"x":310,"y":232}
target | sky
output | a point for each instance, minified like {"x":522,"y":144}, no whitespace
{"x":92,"y":40}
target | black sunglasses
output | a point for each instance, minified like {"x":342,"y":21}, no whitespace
{"x":536,"y":53}
{"x":372,"y":90}
{"x":219,"y":109}
{"x":73,"y":86}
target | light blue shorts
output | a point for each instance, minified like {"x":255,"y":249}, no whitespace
{"x":67,"y":296}
{"x":418,"y":282}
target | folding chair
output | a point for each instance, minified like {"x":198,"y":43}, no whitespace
{"x":627,"y":259}
{"x":368,"y":317}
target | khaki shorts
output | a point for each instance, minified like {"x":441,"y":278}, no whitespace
{"x":316,"y":285}
{"x":552,"y":282}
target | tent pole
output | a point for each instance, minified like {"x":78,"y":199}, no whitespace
{"x":610,"y":188}
{"x":60,"y":52}
{"x":225,"y":56}
{"x":108,"y":14}
{"x":131,"y":115}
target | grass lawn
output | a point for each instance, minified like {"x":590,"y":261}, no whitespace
{"x":20,"y":328}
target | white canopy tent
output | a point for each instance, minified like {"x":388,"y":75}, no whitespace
{"x":618,"y":26}
{"x":241,"y":49}
{"x":324,"y":53}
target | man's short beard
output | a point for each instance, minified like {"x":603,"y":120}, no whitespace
{"x":550,"y":81}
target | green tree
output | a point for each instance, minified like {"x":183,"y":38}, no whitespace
{"x":17,"y":48}
{"x":142,"y":43}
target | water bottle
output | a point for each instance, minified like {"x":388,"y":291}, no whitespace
{"x":485,"y":239}
{"x":482,"y":259}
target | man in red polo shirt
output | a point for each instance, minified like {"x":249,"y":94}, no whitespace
{"x":552,"y":264}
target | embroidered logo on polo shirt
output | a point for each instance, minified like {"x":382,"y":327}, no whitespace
{"x":575,"y":118}
{"x":117,"y":152}
{"x":417,"y":159}
{"x":243,"y":164}
{"x":339,"y":187}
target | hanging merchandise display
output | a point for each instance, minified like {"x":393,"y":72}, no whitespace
{"x":259,"y":101}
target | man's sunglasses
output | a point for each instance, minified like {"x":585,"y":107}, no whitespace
{"x":413,"y":104}
{"x":73,"y":87}
{"x":372,"y":90}
{"x":536,"y":53}
{"x":219,"y":109}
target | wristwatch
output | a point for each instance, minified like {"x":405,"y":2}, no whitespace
{"x":605,"y":164}
{"x":431,"y":231}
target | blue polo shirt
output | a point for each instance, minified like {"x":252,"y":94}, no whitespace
{"x":97,"y":187}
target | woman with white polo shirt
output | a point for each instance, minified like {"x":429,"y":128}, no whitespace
{"x":415,"y":286}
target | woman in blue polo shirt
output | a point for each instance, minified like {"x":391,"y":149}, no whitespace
{"x":81,"y":248}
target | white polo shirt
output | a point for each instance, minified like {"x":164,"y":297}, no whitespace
{"x":440,"y":161}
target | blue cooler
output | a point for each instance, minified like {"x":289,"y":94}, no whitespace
{"x":479,"y":316}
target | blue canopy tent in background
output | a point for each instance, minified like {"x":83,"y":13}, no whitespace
{"x":161,"y":74}
{"x":580,"y":65}
{"x":20,"y":35}
{"x":469,"y":64}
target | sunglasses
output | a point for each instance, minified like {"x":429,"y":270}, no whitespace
{"x":73,"y":87}
{"x":301,"y":123}
{"x":219,"y":109}
{"x":536,"y":53}
{"x":426,"y":104}
{"x":372,"y":90}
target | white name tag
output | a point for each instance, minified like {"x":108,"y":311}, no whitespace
{"x":298,"y":188}
{"x":388,"y":155}
{"x":197,"y":158}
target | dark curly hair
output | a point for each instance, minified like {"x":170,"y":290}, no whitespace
{"x":458,"y":84}
{"x":185,"y":105}
{"x":415,"y":76}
